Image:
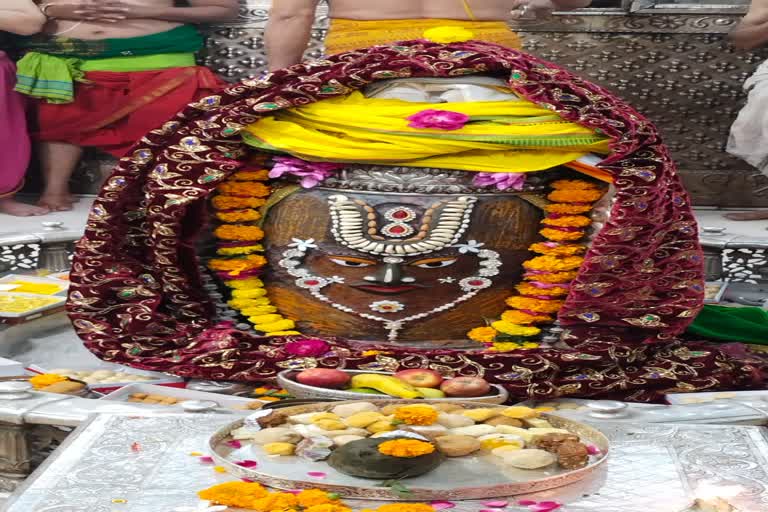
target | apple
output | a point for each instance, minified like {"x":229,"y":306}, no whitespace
{"x":324,"y":378}
{"x":431,"y":392}
{"x":465,"y":387}
{"x":420,"y":378}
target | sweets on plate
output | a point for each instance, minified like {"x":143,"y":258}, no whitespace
{"x":102,"y":376}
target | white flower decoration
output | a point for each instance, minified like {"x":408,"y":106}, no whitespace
{"x":446,"y":280}
{"x":303,"y":245}
{"x":471,"y":246}
{"x":336,"y":279}
{"x":387,"y":306}
{"x":203,"y":506}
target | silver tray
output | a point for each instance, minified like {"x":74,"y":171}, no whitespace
{"x":463,"y":478}
{"x":286,"y":380}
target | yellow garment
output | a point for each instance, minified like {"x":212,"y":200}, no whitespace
{"x":502,"y":136}
{"x":347,"y":35}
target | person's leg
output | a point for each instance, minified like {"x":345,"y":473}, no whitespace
{"x":756,"y":215}
{"x":59,"y":160}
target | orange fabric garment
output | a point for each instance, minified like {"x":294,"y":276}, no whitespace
{"x":113,"y":110}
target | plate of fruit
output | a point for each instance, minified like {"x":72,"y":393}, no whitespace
{"x":410,"y":449}
{"x":409,"y":384}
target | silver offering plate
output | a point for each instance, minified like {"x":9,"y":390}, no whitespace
{"x":462,"y":478}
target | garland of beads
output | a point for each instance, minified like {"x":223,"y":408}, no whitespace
{"x":547,"y":279}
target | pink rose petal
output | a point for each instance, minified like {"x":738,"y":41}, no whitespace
{"x":294,"y":491}
{"x":496,"y":503}
{"x":234,"y":444}
{"x":593,"y":450}
{"x":206,"y":460}
{"x":527,"y":503}
{"x":316,"y":474}
{"x":545,"y":506}
{"x":247,"y":463}
{"x":442,"y":505}
{"x":247,"y":480}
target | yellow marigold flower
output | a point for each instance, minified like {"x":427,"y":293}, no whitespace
{"x":328,"y":507}
{"x":245,"y":284}
{"x":506,"y":346}
{"x":572,"y":185}
{"x":240,"y":233}
{"x":260,"y":175}
{"x":240,"y":264}
{"x":251,"y":293}
{"x":514,"y":316}
{"x":234,"y":494}
{"x":406,"y":507}
{"x":236,"y":251}
{"x":406,"y":448}
{"x":416,"y":415}
{"x":529,"y":289}
{"x":559,"y":250}
{"x":566,"y":208}
{"x":448,"y":34}
{"x":554,"y":277}
{"x":234,"y":203}
{"x":568,"y":221}
{"x":482,"y":334}
{"x":282,"y":333}
{"x":243,"y":189}
{"x":280,"y":325}
{"x":561,"y":236}
{"x":275,"y":501}
{"x":245,"y":304}
{"x":530,"y":344}
{"x":258,"y":311}
{"x":573,"y":196}
{"x":537,"y":305}
{"x":46,"y":379}
{"x":368,"y":353}
{"x":514,"y":329}
{"x":266,"y":319}
{"x":247,"y":215}
{"x":220,"y":469}
{"x":313,"y":497}
{"x":554,"y":263}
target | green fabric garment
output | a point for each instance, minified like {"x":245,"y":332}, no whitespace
{"x":742,"y":324}
{"x":52,"y":64}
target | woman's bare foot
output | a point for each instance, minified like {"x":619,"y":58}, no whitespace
{"x":55,"y":203}
{"x":10,"y":206}
{"x":757,"y":215}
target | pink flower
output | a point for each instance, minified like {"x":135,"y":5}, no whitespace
{"x":501,"y":180}
{"x":206,"y":460}
{"x":247,"y":464}
{"x":311,"y":173}
{"x":540,"y":506}
{"x":593,"y":450}
{"x":442,"y":505}
{"x":307,"y":348}
{"x":234,"y":444}
{"x":438,"y":120}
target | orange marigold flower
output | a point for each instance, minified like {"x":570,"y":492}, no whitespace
{"x":243,"y":233}
{"x":406,"y":448}
{"x":243,"y":189}
{"x":416,"y":414}
{"x":572,"y":185}
{"x":275,"y":501}
{"x":553,"y":277}
{"x":234,"y":494}
{"x":568,"y":196}
{"x":519,"y":317}
{"x":239,"y":250}
{"x":245,"y":284}
{"x":247,"y":215}
{"x":240,"y":264}
{"x":406,"y":507}
{"x":328,"y":507}
{"x":559,"y":250}
{"x":554,"y":263}
{"x":565,"y":208}
{"x":568,"y":221}
{"x":234,"y":203}
{"x":311,"y":497}
{"x":561,"y":236}
{"x":46,"y":379}
{"x":537,"y":305}
{"x":260,"y":175}
{"x":482,"y":334}
{"x":529,"y":289}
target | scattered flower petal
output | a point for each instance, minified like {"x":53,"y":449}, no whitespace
{"x":206,"y":460}
{"x":593,"y":450}
{"x":496,"y":503}
{"x":247,"y":480}
{"x":316,"y":474}
{"x":119,"y":500}
{"x":442,"y":505}
{"x":220,"y":469}
{"x":311,"y":173}
{"x":294,"y":491}
{"x":234,"y":444}
{"x":500,"y":180}
{"x":247,"y":463}
{"x":135,"y":447}
{"x":195,"y":454}
{"x":545,"y":506}
{"x":526,"y":503}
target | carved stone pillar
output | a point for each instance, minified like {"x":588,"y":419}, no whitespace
{"x":14,"y":456}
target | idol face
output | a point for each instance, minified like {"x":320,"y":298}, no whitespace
{"x":394,"y":263}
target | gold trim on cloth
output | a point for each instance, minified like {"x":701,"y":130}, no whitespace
{"x":347,"y":35}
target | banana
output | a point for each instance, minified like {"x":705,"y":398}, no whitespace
{"x":386,"y":384}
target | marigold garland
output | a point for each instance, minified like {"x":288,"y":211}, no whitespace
{"x":235,"y":232}
{"x":244,"y":189}
{"x":556,"y":263}
{"x":246,"y":215}
{"x":233,"y":265}
{"x":234,"y":203}
{"x":239,"y":250}
{"x":406,"y":448}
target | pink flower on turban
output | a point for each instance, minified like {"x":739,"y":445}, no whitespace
{"x":438,"y":120}
{"x":501,"y":180}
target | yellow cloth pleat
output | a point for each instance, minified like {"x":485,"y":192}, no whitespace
{"x":347,"y":35}
{"x":523,"y":137}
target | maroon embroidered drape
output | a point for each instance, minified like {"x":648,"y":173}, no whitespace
{"x":136,"y":297}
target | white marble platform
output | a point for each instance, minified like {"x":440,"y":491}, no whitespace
{"x":27,"y":230}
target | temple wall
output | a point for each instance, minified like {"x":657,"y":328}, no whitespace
{"x":673,"y":65}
